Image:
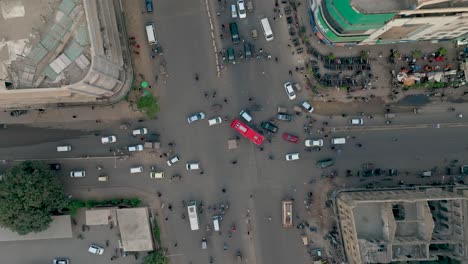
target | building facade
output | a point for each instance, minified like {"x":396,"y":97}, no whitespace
{"x":368,"y":22}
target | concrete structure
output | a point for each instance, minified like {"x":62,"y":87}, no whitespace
{"x":78,"y":54}
{"x":403,"y":225}
{"x":133,"y":224}
{"x":60,"y":227}
{"x":365,"y":22}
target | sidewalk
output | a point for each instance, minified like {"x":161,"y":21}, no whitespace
{"x":115,"y":112}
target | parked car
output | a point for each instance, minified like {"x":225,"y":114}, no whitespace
{"x":241,"y":8}
{"x":77,"y":173}
{"x":173,"y":160}
{"x":54,"y":166}
{"x":95,"y":249}
{"x":313,"y":143}
{"x":289,"y":91}
{"x":284,"y":117}
{"x":307,"y":106}
{"x":135,"y":148}
{"x":149,"y":6}
{"x":140,"y":131}
{"x":325,"y":163}
{"x":247,"y":50}
{"x":268,"y":126}
{"x":231,"y":55}
{"x":108,"y":139}
{"x":290,"y":138}
{"x":61,"y":261}
{"x":192,"y":166}
{"x":292,"y":156}
{"x":233,"y":11}
{"x":196,"y":117}
{"x":215,"y":121}
{"x":234,"y":33}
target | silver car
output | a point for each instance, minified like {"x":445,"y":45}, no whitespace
{"x":135,"y":148}
{"x":196,"y":117}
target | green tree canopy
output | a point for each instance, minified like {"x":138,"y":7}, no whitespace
{"x":148,"y":104}
{"x":29,"y":193}
{"x":155,"y":258}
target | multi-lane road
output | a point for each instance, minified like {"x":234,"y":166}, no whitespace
{"x":256,"y":183}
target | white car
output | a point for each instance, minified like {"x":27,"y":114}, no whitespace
{"x":140,"y":131}
{"x":233,"y":11}
{"x":307,"y":106}
{"x":138,"y":147}
{"x":192,"y":166}
{"x":215,"y":121}
{"x":95,"y":249}
{"x":173,"y":160}
{"x":108,"y":139}
{"x":77,"y":174}
{"x":60,"y":261}
{"x":292,"y":156}
{"x":313,"y":143}
{"x":196,"y":117}
{"x":241,"y":8}
{"x":357,"y":121}
{"x":290,"y":91}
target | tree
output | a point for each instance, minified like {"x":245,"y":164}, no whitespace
{"x":155,"y":258}
{"x":29,"y":194}
{"x":148,"y":104}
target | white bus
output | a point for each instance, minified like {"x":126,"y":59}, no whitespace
{"x":193,"y":217}
{"x":267,"y":29}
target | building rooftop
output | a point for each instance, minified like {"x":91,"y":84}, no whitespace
{"x":387,"y":6}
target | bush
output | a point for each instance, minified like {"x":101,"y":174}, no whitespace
{"x":156,"y":231}
{"x":74,"y":205}
{"x":156,"y":258}
{"x":442,"y":51}
{"x":331,"y":56}
{"x":416,"y":53}
{"x":149,"y":105}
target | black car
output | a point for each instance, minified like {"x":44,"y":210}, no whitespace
{"x":284,"y":117}
{"x":268,"y":126}
{"x":234,"y":33}
{"x":54,"y":166}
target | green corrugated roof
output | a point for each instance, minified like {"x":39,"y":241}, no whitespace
{"x":330,"y":35}
{"x":345,"y":24}
{"x":353,"y":17}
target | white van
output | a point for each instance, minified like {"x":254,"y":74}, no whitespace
{"x":136,"y":169}
{"x":267,"y":29}
{"x":338,"y":141}
{"x":64,"y":148}
{"x":245,"y":115}
{"x":216,"y":220}
{"x":151,"y":33}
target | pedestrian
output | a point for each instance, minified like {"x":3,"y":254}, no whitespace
{"x":250,"y":99}
{"x":74,"y":116}
{"x":138,"y":46}
{"x":225,"y":100}
{"x":159,"y":194}
{"x":223,"y":190}
{"x":234,"y":162}
{"x":274,"y":18}
{"x":221,"y":36}
{"x":261,"y":149}
{"x":167,"y":218}
{"x":214,"y":94}
{"x":202,"y":172}
{"x":170,"y":207}
{"x":289,"y":45}
{"x":175,"y":244}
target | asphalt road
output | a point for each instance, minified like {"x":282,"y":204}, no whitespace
{"x":256,"y":183}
